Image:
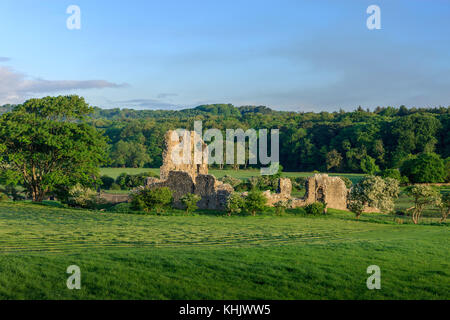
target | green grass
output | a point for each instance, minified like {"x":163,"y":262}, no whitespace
{"x":216,"y":257}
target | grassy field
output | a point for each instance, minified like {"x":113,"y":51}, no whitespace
{"x":241,"y":174}
{"x":215,"y":257}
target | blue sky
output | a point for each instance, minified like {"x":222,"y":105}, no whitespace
{"x":289,"y":55}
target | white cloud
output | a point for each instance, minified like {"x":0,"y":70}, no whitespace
{"x":16,"y":87}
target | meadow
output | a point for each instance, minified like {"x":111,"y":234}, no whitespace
{"x":211,"y":256}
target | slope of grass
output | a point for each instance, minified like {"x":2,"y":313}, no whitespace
{"x":216,"y":257}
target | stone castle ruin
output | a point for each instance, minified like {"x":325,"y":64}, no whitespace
{"x":184,"y":178}
{"x":319,"y":188}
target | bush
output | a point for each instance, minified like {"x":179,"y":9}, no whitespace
{"x":115,"y":187}
{"x":82,"y":197}
{"x":347,"y":181}
{"x":281,"y":206}
{"x":316,"y":208}
{"x":189,"y":201}
{"x":3,"y":197}
{"x":128,"y":181}
{"x":148,"y":199}
{"x":234,"y":182}
{"x":394,"y":174}
{"x":106,"y":182}
{"x":255,"y":201}
{"x":298,"y":183}
{"x":425,"y":168}
{"x":122,"y":208}
{"x":235,"y":204}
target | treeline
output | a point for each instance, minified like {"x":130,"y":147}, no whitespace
{"x":354,"y":142}
{"x":336,"y":142}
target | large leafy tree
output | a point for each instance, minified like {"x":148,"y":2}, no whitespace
{"x":425,"y":168}
{"x":47,"y":144}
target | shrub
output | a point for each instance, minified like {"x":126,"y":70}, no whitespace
{"x":316,"y":208}
{"x":425,"y":168}
{"x":281,"y":206}
{"x":298,"y":183}
{"x":106,"y":182}
{"x":128,"y":181}
{"x":255,"y":201}
{"x":115,"y":187}
{"x":82,"y":197}
{"x":235,"y":204}
{"x":3,"y":197}
{"x":444,"y":206}
{"x":122,"y":208}
{"x":347,"y":181}
{"x":189,"y":201}
{"x":147,"y":199}
{"x":394,"y":174}
{"x":232,"y":181}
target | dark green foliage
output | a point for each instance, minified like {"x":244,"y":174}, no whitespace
{"x":394,"y":174}
{"x":3,"y":197}
{"x":149,"y":199}
{"x":255,"y":201}
{"x":235,"y":204}
{"x":425,"y":168}
{"x":122,"y":208}
{"x":106,"y":182}
{"x":48,"y":143}
{"x":316,"y":208}
{"x":189,"y":201}
{"x":128,"y":181}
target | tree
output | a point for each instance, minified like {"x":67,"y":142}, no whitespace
{"x":369,"y":166}
{"x":189,"y":201}
{"x":422,"y":196}
{"x":373,"y":192}
{"x":48,"y":143}
{"x":255,"y":201}
{"x":444,"y":206}
{"x":334,"y":159}
{"x":425,"y":168}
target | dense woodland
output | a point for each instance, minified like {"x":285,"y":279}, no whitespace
{"x":334,"y":142}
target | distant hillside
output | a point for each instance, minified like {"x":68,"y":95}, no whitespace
{"x":226,"y":110}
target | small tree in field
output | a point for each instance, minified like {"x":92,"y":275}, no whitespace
{"x":422,"y":196}
{"x":255,"y":201}
{"x":189,"y":201}
{"x":235,"y":204}
{"x":373,"y":192}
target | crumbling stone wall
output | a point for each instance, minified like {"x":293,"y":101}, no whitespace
{"x":319,"y":188}
{"x":213,"y":193}
{"x":191,"y":168}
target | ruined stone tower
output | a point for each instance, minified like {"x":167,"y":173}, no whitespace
{"x":182,"y":150}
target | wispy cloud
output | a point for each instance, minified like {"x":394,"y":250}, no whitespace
{"x":15,"y":87}
{"x":154,"y":104}
{"x":4,"y":59}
